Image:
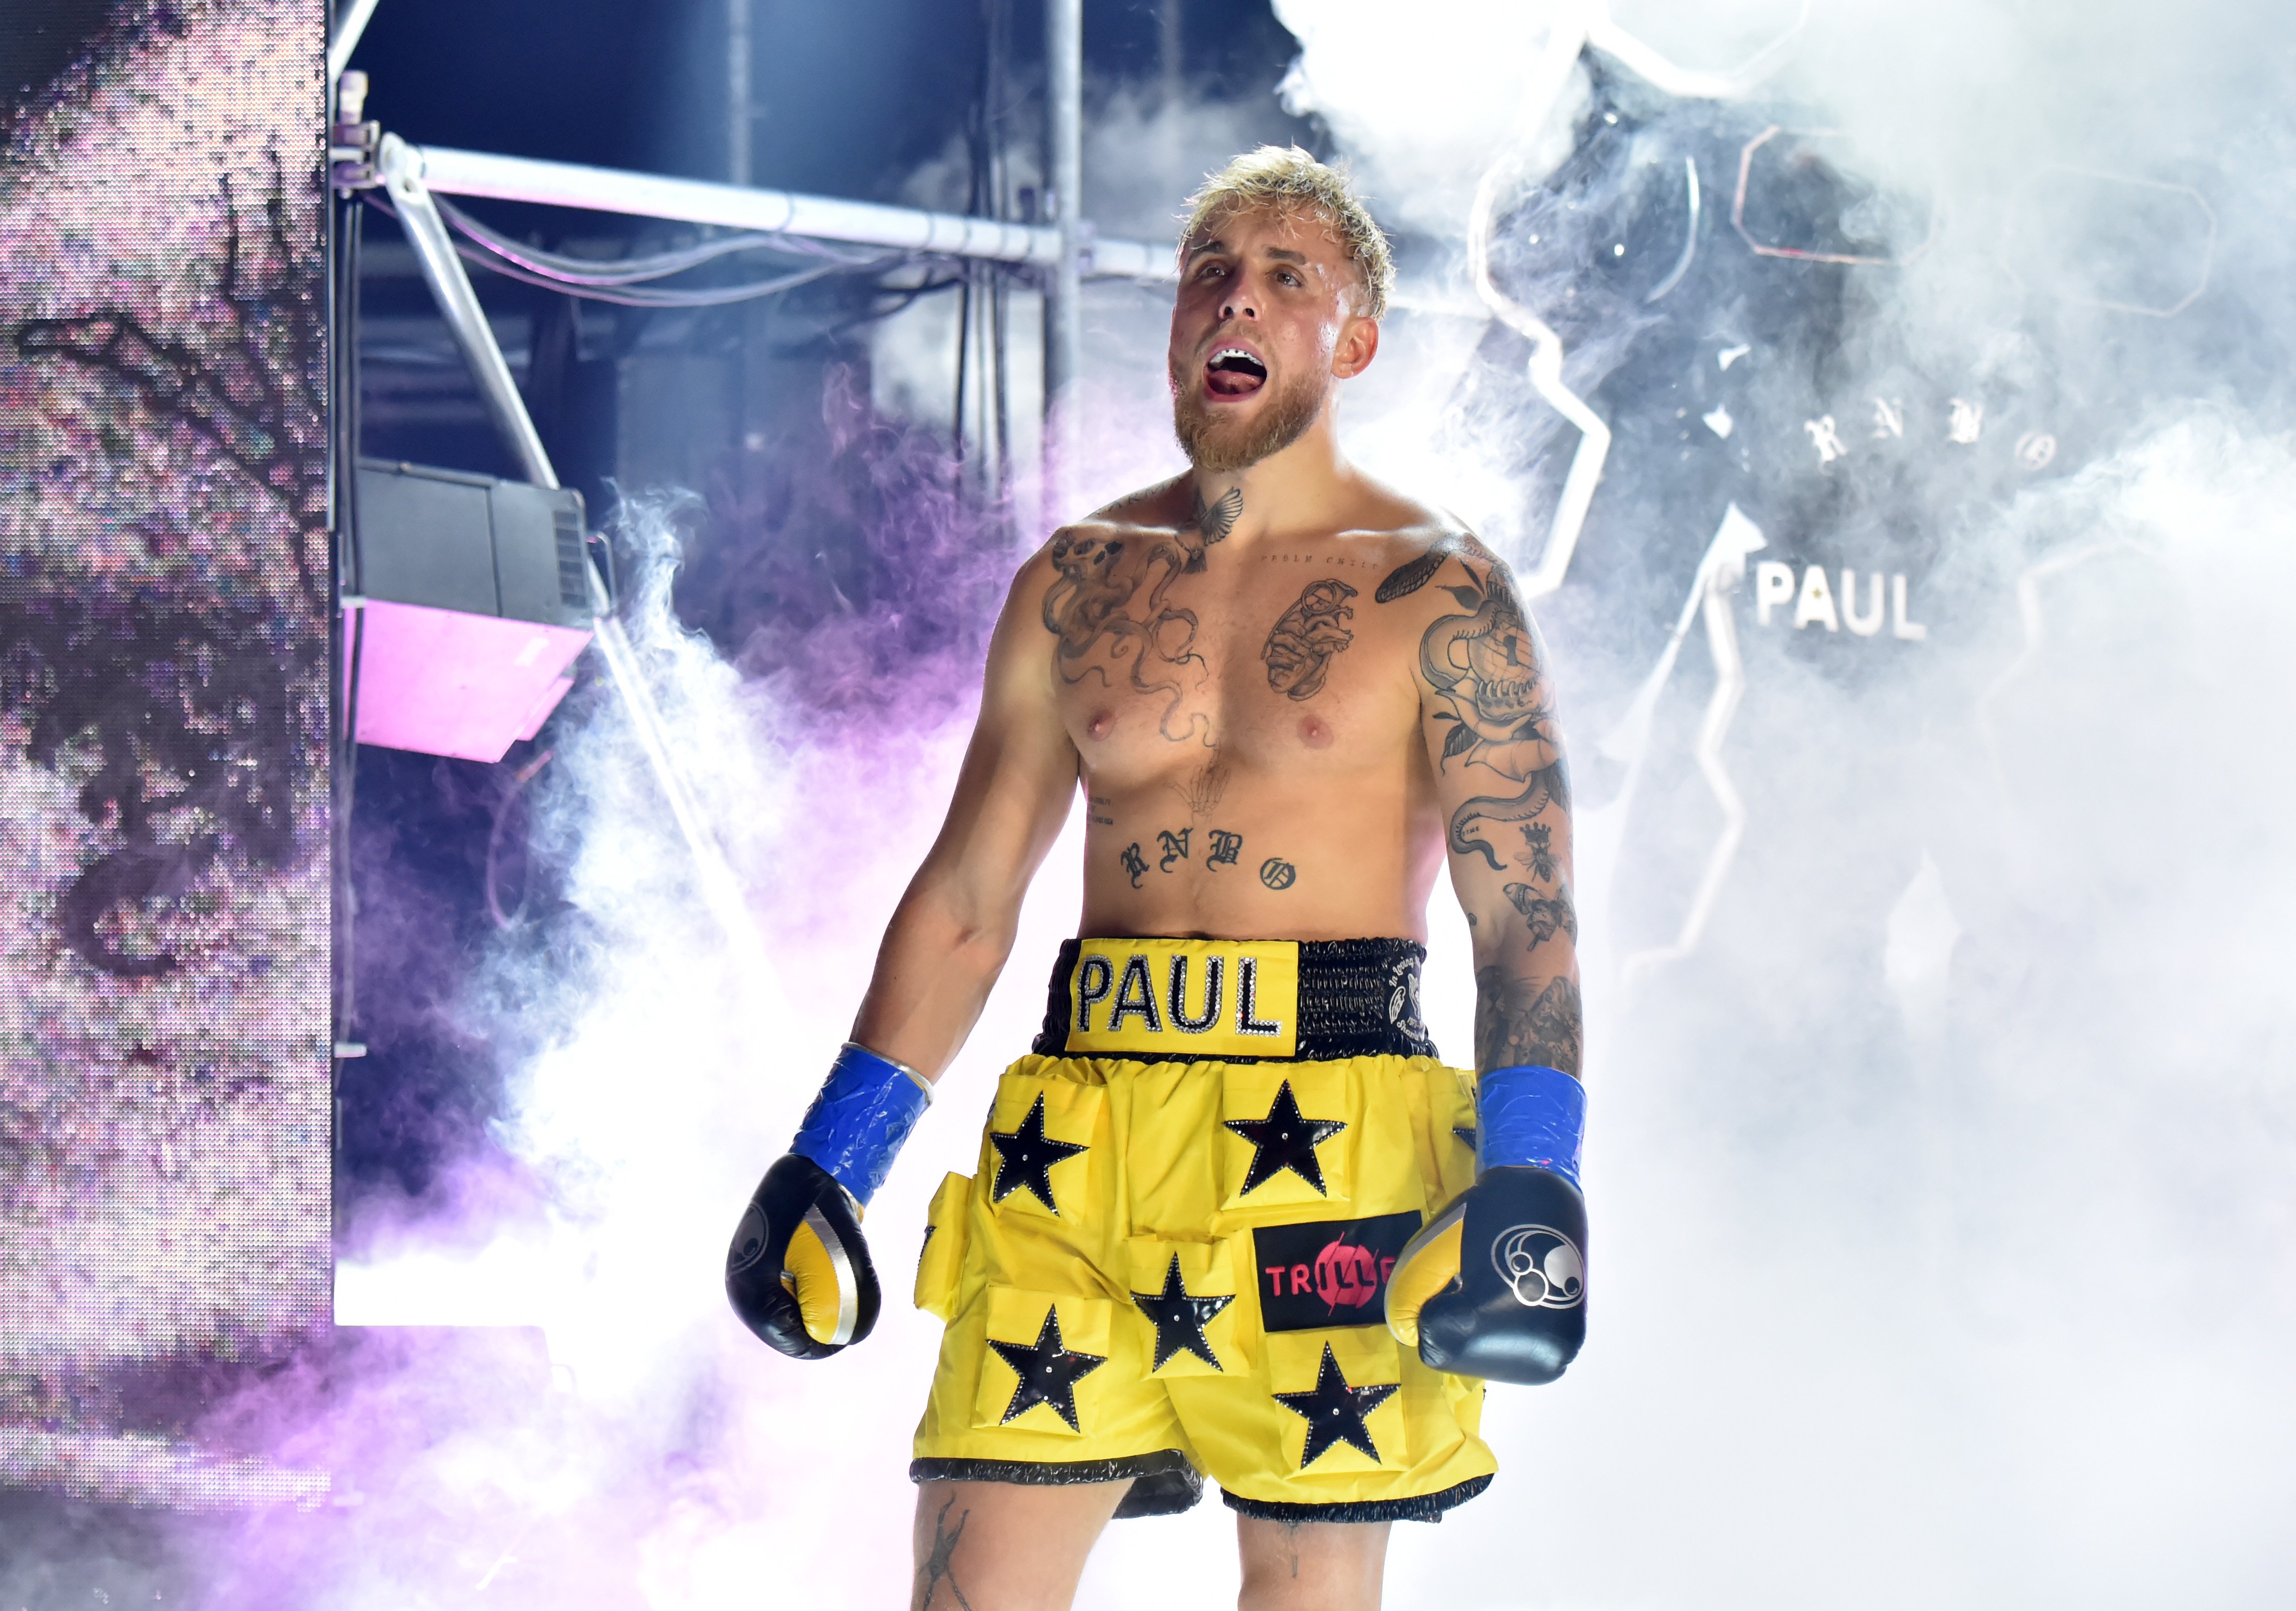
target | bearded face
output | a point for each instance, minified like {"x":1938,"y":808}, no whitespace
{"x":1265,"y":325}
{"x":1221,"y":440}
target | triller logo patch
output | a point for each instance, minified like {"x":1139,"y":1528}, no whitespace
{"x":1328,"y":1273}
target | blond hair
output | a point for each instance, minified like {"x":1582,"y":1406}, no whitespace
{"x":1285,"y":180}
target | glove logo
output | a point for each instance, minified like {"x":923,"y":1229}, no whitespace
{"x":1541,"y":1266}
{"x":748,"y":1241}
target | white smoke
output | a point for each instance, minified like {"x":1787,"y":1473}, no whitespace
{"x":1941,"y":1196}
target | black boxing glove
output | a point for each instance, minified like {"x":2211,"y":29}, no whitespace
{"x":1496,"y":1284}
{"x":798,"y":1273}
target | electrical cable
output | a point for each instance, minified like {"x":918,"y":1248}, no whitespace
{"x":641,"y":296}
{"x":904,"y":296}
{"x":631,"y":271}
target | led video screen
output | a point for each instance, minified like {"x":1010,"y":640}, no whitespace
{"x":164,"y":725}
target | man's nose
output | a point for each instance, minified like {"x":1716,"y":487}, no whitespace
{"x":1238,"y":308}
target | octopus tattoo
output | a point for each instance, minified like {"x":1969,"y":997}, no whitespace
{"x":1092,"y":601}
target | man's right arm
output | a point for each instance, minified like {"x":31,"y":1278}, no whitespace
{"x":955,"y":926}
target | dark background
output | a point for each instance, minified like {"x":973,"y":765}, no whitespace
{"x":761,"y":409}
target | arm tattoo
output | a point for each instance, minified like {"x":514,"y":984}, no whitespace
{"x":1216,"y":520}
{"x":1486,"y":669}
{"x":1300,"y":645}
{"x":1512,"y":1026}
{"x":1547,"y":916}
{"x":935,"y":1569}
{"x":1540,"y":857}
{"x":1092,"y":600}
{"x":1407,"y":578}
{"x":1551,"y":784}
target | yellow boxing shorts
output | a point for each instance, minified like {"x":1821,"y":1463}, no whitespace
{"x":1172,"y":1261}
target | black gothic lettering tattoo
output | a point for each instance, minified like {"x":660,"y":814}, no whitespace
{"x":1092,"y":601}
{"x":1547,"y":916}
{"x":1277,"y":874}
{"x":1202,"y":791}
{"x":1300,"y":645}
{"x":1512,"y":1026}
{"x":1175,"y":846}
{"x":1225,"y":847}
{"x":1134,"y":862}
{"x":935,"y":1569}
{"x":1216,"y":520}
{"x":1540,"y":857}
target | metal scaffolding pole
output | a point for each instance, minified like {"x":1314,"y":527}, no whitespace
{"x":487,"y":175}
{"x":1064,"y":171}
{"x":737,"y":92}
{"x":401,"y":166}
{"x":349,"y":30}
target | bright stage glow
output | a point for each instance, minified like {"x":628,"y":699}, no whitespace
{"x":1941,"y":1176}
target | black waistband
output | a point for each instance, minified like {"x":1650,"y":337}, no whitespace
{"x":1357,"y":999}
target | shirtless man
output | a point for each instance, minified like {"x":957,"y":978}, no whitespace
{"x":1231,"y":1216}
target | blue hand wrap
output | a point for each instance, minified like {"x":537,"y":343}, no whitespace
{"x":866,"y":1110}
{"x":1529,"y":1115}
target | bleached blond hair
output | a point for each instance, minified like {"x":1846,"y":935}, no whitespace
{"x":1286,"y":181}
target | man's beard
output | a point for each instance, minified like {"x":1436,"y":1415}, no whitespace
{"x":1218,"y":447}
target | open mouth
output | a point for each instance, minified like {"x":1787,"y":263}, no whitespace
{"x":1234,"y":372}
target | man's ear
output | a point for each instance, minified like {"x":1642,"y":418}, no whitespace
{"x":1358,"y":345}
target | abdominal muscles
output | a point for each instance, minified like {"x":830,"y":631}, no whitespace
{"x":1226,"y":852}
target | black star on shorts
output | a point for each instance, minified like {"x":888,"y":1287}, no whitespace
{"x":1334,"y":1411}
{"x":1180,"y":1319}
{"x":1285,"y":1140}
{"x":1025,"y":1157}
{"x":1048,"y":1372}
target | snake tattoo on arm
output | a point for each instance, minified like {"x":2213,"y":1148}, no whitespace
{"x":1487,"y":667}
{"x":1485,"y":684}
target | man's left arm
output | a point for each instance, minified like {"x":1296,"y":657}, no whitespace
{"x":1495,"y":1286}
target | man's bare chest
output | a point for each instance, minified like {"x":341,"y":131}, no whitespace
{"x":1158,"y":641}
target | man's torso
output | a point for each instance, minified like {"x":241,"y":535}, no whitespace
{"x":1247,"y":718}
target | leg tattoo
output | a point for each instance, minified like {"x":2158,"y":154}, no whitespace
{"x":936,"y":1570}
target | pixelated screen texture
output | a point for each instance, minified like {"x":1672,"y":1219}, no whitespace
{"x":164,"y":888}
